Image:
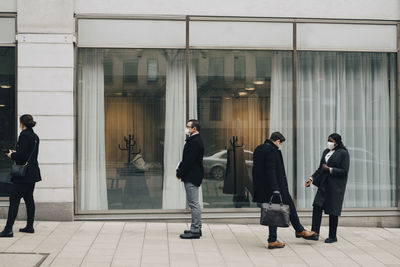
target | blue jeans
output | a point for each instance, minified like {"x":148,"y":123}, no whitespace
{"x":294,"y":220}
{"x":192,"y":196}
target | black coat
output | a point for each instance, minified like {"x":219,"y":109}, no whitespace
{"x":191,"y":167}
{"x":25,"y":146}
{"x":269,"y":173}
{"x":332,"y":186}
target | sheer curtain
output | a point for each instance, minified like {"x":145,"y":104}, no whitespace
{"x":91,"y":147}
{"x":174,"y":195}
{"x":281,"y":114}
{"x":348,"y":93}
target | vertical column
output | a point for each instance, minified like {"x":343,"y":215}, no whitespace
{"x":45,"y":89}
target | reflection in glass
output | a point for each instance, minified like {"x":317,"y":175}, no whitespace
{"x":240,"y":101}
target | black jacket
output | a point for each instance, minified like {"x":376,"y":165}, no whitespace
{"x":332,"y":186}
{"x":25,"y":146}
{"x":269,"y":173}
{"x":191,"y":167}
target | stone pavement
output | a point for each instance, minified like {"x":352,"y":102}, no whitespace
{"x":157,"y":244}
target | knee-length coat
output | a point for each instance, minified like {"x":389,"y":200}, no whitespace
{"x":332,"y":184}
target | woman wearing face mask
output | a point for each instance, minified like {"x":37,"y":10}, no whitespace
{"x":331,"y":179}
{"x":22,"y":187}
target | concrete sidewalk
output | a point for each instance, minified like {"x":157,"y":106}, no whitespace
{"x":158,"y":244}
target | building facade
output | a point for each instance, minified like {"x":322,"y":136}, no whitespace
{"x":111,"y":84}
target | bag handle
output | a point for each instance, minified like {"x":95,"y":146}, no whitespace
{"x":30,"y":156}
{"x":280,"y":196}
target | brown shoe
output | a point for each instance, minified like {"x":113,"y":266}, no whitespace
{"x":275,"y":244}
{"x":304,"y":234}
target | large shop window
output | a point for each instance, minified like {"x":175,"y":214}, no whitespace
{"x":131,"y":106}
{"x":242,"y":97}
{"x":7,"y":110}
{"x":353,"y":94}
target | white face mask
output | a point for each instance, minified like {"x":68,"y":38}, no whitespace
{"x":331,"y":145}
{"x":187,"y":131}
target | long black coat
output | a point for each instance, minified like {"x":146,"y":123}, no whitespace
{"x":191,"y":167}
{"x":25,"y":146}
{"x":269,"y":173}
{"x":332,"y":185}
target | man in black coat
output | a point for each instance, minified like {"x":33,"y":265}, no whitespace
{"x":191,"y":172}
{"x":269,"y":179}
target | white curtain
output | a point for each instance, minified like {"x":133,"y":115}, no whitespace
{"x":91,"y":154}
{"x":281,"y":115}
{"x":348,"y":93}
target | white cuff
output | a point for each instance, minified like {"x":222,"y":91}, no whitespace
{"x":330,"y":170}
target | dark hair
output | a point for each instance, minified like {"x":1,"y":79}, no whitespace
{"x":277,"y":136}
{"x":195,"y":124}
{"x":338,"y":140}
{"x":27,"y":120}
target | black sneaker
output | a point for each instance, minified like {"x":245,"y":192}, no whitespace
{"x":27,"y":229}
{"x":330,"y":240}
{"x":190,"y":235}
{"x":5,"y":233}
{"x":188,"y":231}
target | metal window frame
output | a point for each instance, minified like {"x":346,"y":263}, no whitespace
{"x":188,"y":48}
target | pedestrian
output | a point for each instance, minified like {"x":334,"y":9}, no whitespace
{"x":269,"y":179}
{"x":191,"y":172}
{"x":331,"y":180}
{"x":27,"y":150}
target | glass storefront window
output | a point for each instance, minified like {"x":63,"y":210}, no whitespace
{"x":242,"y":96}
{"x":122,"y":126}
{"x":7,"y":110}
{"x":353,"y":94}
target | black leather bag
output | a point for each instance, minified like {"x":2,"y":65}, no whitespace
{"x":273,"y":214}
{"x":20,"y":170}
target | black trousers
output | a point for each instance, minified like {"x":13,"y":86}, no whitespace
{"x":316,"y":222}
{"x":18,"y":191}
{"x":294,"y":220}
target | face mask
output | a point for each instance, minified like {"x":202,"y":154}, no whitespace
{"x":187,"y":131}
{"x":331,"y":145}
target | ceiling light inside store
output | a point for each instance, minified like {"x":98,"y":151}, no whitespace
{"x":5,"y":86}
{"x":259,"y":82}
{"x":242,"y":93}
{"x":250,"y":88}
{"x":2,"y":106}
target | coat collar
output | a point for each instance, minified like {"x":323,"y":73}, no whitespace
{"x":192,"y":137}
{"x":269,"y":142}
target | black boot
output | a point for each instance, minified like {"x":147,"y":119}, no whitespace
{"x":188,"y":231}
{"x":27,"y":229}
{"x":190,"y":235}
{"x":7,"y":233}
{"x":331,"y":240}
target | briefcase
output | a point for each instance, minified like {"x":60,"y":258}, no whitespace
{"x":275,"y":214}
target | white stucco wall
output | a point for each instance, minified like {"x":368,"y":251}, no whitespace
{"x":335,"y":9}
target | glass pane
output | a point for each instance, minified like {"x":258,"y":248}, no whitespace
{"x":240,"y":100}
{"x":7,"y":111}
{"x":122,"y":126}
{"x":353,"y":94}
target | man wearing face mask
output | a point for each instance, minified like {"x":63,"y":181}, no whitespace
{"x":269,"y":179}
{"x":331,"y":180}
{"x":191,"y":172}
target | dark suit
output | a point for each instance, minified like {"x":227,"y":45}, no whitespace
{"x":269,"y":175}
{"x":191,"y":167}
{"x":331,"y":188}
{"x":23,"y":187}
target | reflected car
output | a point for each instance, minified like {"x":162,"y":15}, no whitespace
{"x":215,"y":164}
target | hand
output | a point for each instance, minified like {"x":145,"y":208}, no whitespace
{"x":178,"y":178}
{"x":308,"y":182}
{"x":9,"y":153}
{"x":325,"y":167}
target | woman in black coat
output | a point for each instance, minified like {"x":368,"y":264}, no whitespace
{"x":331,"y":180}
{"x":22,"y":187}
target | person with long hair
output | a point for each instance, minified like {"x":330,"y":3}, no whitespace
{"x":331,"y":180}
{"x":26,"y":152}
